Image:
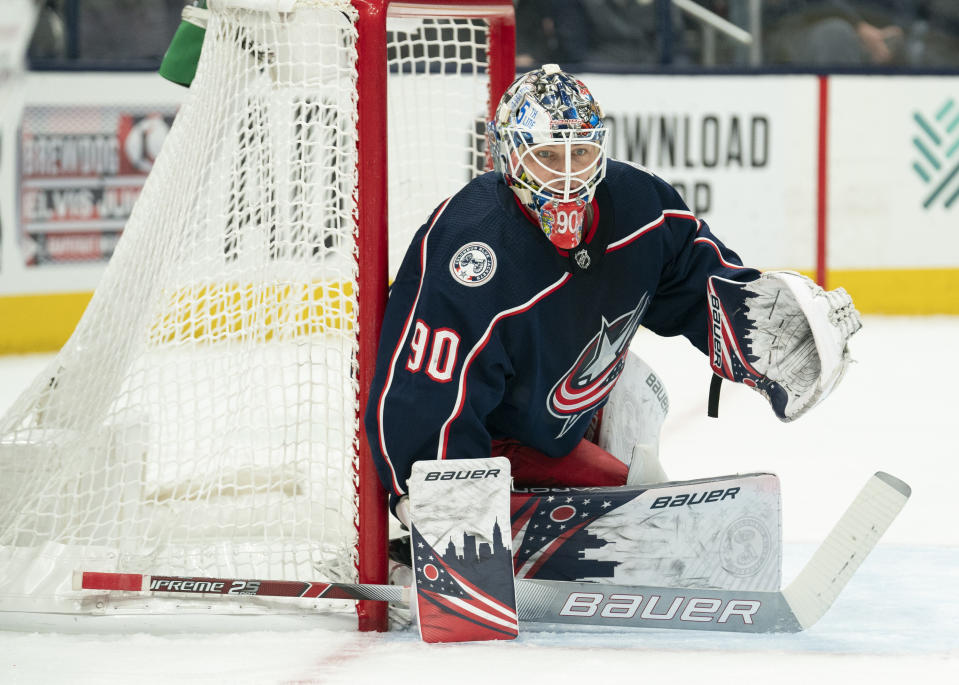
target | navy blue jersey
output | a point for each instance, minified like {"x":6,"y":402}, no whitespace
{"x":491,"y":332}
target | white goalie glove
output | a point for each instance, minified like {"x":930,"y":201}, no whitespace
{"x":783,"y":336}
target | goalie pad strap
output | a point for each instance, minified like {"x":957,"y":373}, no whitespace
{"x":715,"y":386}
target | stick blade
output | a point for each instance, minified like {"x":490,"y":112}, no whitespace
{"x":848,"y":544}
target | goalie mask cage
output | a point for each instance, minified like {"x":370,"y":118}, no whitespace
{"x":204,"y":417}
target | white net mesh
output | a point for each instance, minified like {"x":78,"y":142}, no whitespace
{"x":438,"y":92}
{"x":202,"y":420}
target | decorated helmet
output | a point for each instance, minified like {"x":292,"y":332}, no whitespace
{"x":548,"y":139}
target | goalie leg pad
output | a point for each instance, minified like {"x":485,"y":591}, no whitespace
{"x":462,"y":560}
{"x":721,"y":532}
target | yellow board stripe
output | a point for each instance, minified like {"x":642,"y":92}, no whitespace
{"x":207,"y":313}
{"x":211,"y":313}
{"x":900,"y":291}
{"x":39,"y":323}
{"x":43,"y":323}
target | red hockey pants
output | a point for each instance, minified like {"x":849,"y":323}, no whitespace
{"x":587,"y":465}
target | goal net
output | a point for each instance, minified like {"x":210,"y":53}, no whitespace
{"x":203,"y":419}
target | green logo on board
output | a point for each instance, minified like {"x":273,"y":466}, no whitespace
{"x":937,"y":142}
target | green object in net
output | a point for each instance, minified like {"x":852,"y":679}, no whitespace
{"x":179,"y":62}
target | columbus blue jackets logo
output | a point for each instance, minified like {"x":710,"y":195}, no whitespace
{"x":592,"y":377}
{"x":473,"y":264}
{"x":746,"y":546}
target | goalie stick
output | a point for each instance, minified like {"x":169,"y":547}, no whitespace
{"x":795,"y":608}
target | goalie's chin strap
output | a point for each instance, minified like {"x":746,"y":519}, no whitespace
{"x":712,"y":406}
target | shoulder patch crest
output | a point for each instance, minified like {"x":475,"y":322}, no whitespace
{"x":473,"y":264}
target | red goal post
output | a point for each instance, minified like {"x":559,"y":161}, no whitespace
{"x":372,"y":121}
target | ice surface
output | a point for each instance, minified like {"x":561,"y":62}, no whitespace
{"x":897,"y":621}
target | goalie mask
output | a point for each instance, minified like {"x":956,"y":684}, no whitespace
{"x":548,"y":139}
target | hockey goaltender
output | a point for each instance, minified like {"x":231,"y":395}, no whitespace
{"x":510,"y":320}
{"x":507,"y":336}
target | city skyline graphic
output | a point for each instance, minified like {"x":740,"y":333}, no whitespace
{"x":551,"y":535}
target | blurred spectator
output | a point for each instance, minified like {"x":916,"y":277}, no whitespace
{"x":118,"y":30}
{"x":49,"y":39}
{"x":599,"y":33}
{"x":933,"y":37}
{"x":536,"y":39}
{"x":837,"y":32}
{"x":619,"y":33}
{"x":110,"y":31}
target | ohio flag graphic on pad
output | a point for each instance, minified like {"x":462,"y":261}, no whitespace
{"x":462,"y":557}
